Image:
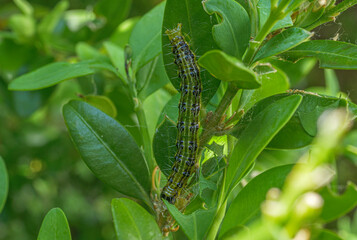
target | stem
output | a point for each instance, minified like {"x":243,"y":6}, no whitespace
{"x":210,"y":127}
{"x":217,"y":222}
{"x":146,"y":137}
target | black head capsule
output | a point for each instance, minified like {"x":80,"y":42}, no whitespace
{"x":170,"y":180}
{"x":195,"y":109}
{"x":194,"y":127}
{"x":175,"y":169}
{"x":179,"y":184}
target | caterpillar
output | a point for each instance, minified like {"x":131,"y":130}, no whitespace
{"x":188,"y":120}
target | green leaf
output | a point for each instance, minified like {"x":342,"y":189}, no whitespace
{"x":153,"y":106}
{"x":50,"y":75}
{"x":122,"y":34}
{"x":282,"y":42}
{"x":295,"y":71}
{"x":336,"y":206}
{"x":113,"y":12}
{"x":272,"y":83}
{"x":197,"y":29}
{"x":87,"y":52}
{"x":108,"y":149}
{"x":151,"y":77}
{"x":256,"y":136}
{"x":131,"y":221}
{"x":116,"y":55}
{"x":24,"y":27}
{"x":229,"y":69}
{"x":263,"y":7}
{"x":324,"y":234}
{"x":4,"y":183}
{"x":194,"y":225}
{"x":164,"y":145}
{"x":170,"y":110}
{"x":232,"y":34}
{"x":145,"y":39}
{"x":302,"y":127}
{"x":55,"y":226}
{"x":50,"y":21}
{"x":331,"y":54}
{"x":24,"y":6}
{"x":103,"y":103}
{"x":246,"y":206}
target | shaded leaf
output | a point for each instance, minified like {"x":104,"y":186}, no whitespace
{"x":116,"y":55}
{"x":145,"y":39}
{"x":4,"y":183}
{"x":164,"y":145}
{"x":257,"y":135}
{"x":232,"y":34}
{"x":54,"y":226}
{"x":229,"y":69}
{"x":50,"y":75}
{"x":102,"y":103}
{"x":112,"y":13}
{"x":335,"y":205}
{"x":194,"y":225}
{"x":131,"y":221}
{"x":108,"y":149}
{"x":302,"y":127}
{"x":197,"y":29}
{"x":331,"y":54}
{"x":246,"y":206}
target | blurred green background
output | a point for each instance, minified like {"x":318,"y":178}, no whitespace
{"x":45,"y":171}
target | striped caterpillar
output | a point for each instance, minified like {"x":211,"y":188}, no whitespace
{"x":188,"y":120}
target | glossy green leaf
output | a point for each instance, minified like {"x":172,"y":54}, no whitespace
{"x":229,"y":69}
{"x":272,"y":83}
{"x":103,"y":103}
{"x":116,"y":55}
{"x":246,"y":206}
{"x":302,"y":127}
{"x":145,"y":39}
{"x":151,"y":77}
{"x":113,"y":12}
{"x":164,"y":145}
{"x":50,"y":75}
{"x":4,"y":183}
{"x":336,"y":206}
{"x":24,"y":6}
{"x":131,"y":221}
{"x":282,"y":42}
{"x":108,"y":149}
{"x":194,"y":225}
{"x":263,"y":7}
{"x":331,"y":54}
{"x":197,"y":29}
{"x":232,"y":34}
{"x":87,"y":52}
{"x":55,"y":226}
{"x":257,"y":135}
